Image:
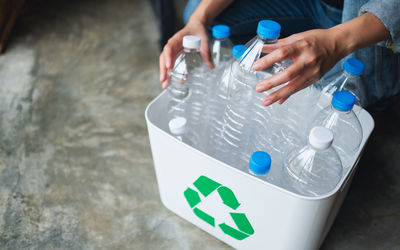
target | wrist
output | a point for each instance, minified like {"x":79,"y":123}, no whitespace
{"x":208,"y":10}
{"x":343,"y":39}
{"x":197,"y":21}
{"x":200,"y":17}
{"x":360,"y":32}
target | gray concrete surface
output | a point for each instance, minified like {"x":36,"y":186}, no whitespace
{"x":76,"y":170}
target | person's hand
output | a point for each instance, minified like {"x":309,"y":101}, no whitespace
{"x":174,"y":46}
{"x":313,"y":53}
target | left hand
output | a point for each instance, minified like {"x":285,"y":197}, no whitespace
{"x":313,"y":52}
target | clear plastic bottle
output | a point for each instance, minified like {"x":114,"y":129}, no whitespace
{"x":340,"y":118}
{"x":268,"y":124}
{"x":240,"y":112}
{"x":298,"y":109}
{"x":221,"y":46}
{"x":347,"y":80}
{"x":197,"y":83}
{"x":275,"y":131}
{"x":217,"y":102}
{"x":314,"y":169}
{"x":178,"y":127}
{"x":187,"y":61}
{"x":268,"y":32}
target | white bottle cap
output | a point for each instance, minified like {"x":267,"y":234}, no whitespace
{"x":320,"y":138}
{"x":177,"y":126}
{"x":191,"y":42}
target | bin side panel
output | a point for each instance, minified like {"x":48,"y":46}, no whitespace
{"x":273,"y":215}
{"x":251,"y":214}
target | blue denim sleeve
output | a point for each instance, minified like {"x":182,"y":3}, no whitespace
{"x":388,"y":12}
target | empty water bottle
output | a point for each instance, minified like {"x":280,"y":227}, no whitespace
{"x":194,"y":106}
{"x":178,"y":126}
{"x":347,"y":80}
{"x":269,"y":123}
{"x":314,"y":169}
{"x":221,"y":46}
{"x":298,"y":109}
{"x":240,"y":111}
{"x":344,"y":124}
{"x":188,"y":60}
{"x":268,"y":32}
{"x":217,"y":101}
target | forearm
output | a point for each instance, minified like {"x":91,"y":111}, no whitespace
{"x":208,"y":10}
{"x":358,"y":33}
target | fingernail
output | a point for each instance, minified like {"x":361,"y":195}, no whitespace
{"x":259,"y":88}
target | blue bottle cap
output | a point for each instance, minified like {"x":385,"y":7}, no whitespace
{"x":221,"y":31}
{"x":237,"y":51}
{"x":343,"y":100}
{"x":354,"y":66}
{"x":260,"y":162}
{"x":268,"y":29}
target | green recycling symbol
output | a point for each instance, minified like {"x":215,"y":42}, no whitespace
{"x":206,"y":186}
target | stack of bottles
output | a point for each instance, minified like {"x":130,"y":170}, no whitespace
{"x":305,"y":145}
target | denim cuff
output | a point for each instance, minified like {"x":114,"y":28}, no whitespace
{"x":388,"y":12}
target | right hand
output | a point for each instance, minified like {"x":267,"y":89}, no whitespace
{"x":174,"y":46}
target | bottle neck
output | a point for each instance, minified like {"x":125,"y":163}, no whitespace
{"x":340,"y":111}
{"x":221,"y":39}
{"x":348,"y":75}
{"x":317,"y":149}
{"x":255,"y":174}
{"x":267,"y":41}
{"x":187,"y":50}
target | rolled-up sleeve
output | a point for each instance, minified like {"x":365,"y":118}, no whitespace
{"x":388,"y":11}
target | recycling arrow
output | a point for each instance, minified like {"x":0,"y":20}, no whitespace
{"x":206,"y":186}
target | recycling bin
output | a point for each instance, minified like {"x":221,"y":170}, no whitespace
{"x":236,"y":207}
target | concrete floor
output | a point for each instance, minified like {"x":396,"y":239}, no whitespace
{"x":76,"y":170}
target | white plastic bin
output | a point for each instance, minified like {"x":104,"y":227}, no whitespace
{"x":235,"y":207}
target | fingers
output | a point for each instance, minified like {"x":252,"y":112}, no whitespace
{"x":281,"y":101}
{"x":174,"y":45}
{"x":277,"y":55}
{"x":167,"y":58}
{"x":268,"y":48}
{"x":163,"y":68}
{"x":285,"y":91}
{"x":205,"y":52}
{"x":312,"y":56}
{"x":165,"y":84}
{"x":285,"y":76}
{"x":281,"y":95}
{"x":164,"y":77}
{"x":171,"y":49}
